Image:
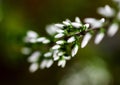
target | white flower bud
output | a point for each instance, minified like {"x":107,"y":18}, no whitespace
{"x":71,"y":39}
{"x":33,"y":67}
{"x":32,"y":34}
{"x":112,"y":29}
{"x":61,"y":53}
{"x":60,"y":42}
{"x":46,"y":41}
{"x":34,"y":57}
{"x":56,"y":47}
{"x":77,"y":19}
{"x":66,"y":23}
{"x":48,"y":54}
{"x":49,"y":63}
{"x":75,"y":50}
{"x":87,"y":25}
{"x":55,"y":55}
{"x":86,"y":39}
{"x":99,"y":38}
{"x":76,"y":25}
{"x":59,"y":35}
{"x":41,"y":39}
{"x":59,"y":25}
{"x":106,"y":11}
{"x":62,"y":63}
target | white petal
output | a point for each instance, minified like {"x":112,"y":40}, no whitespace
{"x":102,"y":20}
{"x":77,"y":19}
{"x":61,"y":53}
{"x":75,"y":50}
{"x":71,"y":39}
{"x":113,"y":29}
{"x":56,"y":47}
{"x":60,"y":42}
{"x":34,"y":57}
{"x":49,"y":63}
{"x":106,"y":11}
{"x":59,"y":35}
{"x":76,"y":25}
{"x":46,"y":41}
{"x":99,"y":38}
{"x":62,"y":63}
{"x":32,"y":34}
{"x":48,"y":54}
{"x":33,"y":67}
{"x":25,"y":50}
{"x":86,"y":39}
{"x":67,"y":57}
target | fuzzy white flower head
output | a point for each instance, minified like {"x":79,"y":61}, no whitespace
{"x":106,"y":11}
{"x":25,"y":50}
{"x":99,"y":37}
{"x":59,"y":35}
{"x":86,"y":39}
{"x":34,"y":57}
{"x":51,"y":29}
{"x":74,"y":50}
{"x":33,"y":67}
{"x":60,"y":42}
{"x":71,"y":39}
{"x":112,"y":29}
{"x":94,"y":22}
{"x":62,"y":63}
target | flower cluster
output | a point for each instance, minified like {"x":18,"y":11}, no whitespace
{"x":65,"y":38}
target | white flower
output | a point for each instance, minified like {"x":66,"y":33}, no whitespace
{"x":60,"y":42}
{"x":56,"y":47}
{"x":51,"y":29}
{"x":25,"y":50}
{"x":76,"y":25}
{"x":86,"y":39}
{"x":59,"y":25}
{"x":99,"y":37}
{"x":33,"y":67}
{"x":106,"y":11}
{"x":62,"y":63}
{"x":48,"y":54}
{"x":59,"y":35}
{"x":94,"y":22}
{"x":55,"y":55}
{"x":46,"y":41}
{"x":71,"y":39}
{"x":112,"y":29}
{"x":32,"y":34}
{"x":75,"y":50}
{"x":34,"y":57}
{"x":66,"y":23}
{"x":46,"y":63}
{"x":41,"y":39}
{"x":61,"y":53}
{"x":77,"y":19}
{"x":87,"y":25}
{"x":59,"y":31}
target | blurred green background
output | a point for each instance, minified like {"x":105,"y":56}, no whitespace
{"x":18,"y":16}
